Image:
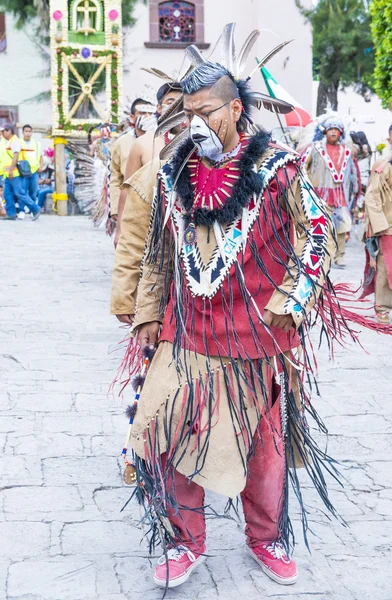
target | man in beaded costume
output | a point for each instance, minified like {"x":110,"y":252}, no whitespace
{"x":237,"y":254}
{"x":334,"y":175}
{"x":378,"y":237}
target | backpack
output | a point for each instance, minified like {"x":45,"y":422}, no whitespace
{"x":24,"y":168}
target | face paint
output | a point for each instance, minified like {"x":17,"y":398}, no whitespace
{"x":146,"y":122}
{"x":333,"y":135}
{"x":105,"y":133}
{"x":207,"y":142}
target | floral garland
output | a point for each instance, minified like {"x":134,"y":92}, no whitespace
{"x":69,"y":51}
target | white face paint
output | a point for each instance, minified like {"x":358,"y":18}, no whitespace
{"x":207,"y":142}
{"x":146,"y":122}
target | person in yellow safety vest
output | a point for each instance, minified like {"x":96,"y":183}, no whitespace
{"x":2,"y":150}
{"x":31,"y":151}
{"x":2,"y":201}
{"x":14,"y":187}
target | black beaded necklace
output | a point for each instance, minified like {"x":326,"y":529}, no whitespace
{"x":248,"y":183}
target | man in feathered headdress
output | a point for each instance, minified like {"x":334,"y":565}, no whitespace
{"x":334,"y":175}
{"x":238,"y":250}
{"x":237,"y":255}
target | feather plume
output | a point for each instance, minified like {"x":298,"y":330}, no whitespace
{"x":187,"y":72}
{"x":89,"y":177}
{"x":172,"y":146}
{"x":259,"y":100}
{"x":176,"y":107}
{"x":268,"y":57}
{"x":169,"y":123}
{"x":148,"y":352}
{"x":157,"y":73}
{"x":228,"y":47}
{"x":138,"y":381}
{"x":245,"y":51}
{"x":131,"y":411}
{"x":193,"y":54}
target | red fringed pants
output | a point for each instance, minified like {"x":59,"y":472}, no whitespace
{"x":262,"y":497}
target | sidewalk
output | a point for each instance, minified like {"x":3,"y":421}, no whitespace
{"x":62,"y":535}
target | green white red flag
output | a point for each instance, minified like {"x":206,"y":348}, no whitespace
{"x":298,"y":117}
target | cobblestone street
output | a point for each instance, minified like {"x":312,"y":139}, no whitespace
{"x":62,"y":535}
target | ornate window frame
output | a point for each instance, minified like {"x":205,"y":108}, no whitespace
{"x":154,"y":27}
{"x":99,"y":13}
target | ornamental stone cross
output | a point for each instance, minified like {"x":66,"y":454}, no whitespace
{"x":87,"y":10}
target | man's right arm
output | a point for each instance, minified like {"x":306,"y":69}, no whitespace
{"x":380,"y":184}
{"x":129,"y":254}
{"x":130,"y":248}
{"x":116,"y":179}
{"x":134,"y":163}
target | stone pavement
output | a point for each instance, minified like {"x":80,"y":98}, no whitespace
{"x":62,"y":535}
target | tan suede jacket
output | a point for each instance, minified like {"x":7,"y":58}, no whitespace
{"x":378,"y":203}
{"x":119,"y":156}
{"x":130,"y":248}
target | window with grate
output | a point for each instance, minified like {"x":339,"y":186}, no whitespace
{"x":3,"y":33}
{"x":177,"y":22}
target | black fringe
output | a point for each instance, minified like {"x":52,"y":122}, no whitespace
{"x":246,"y":374}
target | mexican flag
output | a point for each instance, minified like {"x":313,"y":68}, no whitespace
{"x":297,"y":117}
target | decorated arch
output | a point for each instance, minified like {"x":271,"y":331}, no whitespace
{"x":86,"y":64}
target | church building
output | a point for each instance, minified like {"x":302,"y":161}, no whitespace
{"x":161,"y":32}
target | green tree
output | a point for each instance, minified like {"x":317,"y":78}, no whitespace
{"x":381,"y":13}
{"x":342,"y":47}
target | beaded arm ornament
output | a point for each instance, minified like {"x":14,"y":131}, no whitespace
{"x":137,"y":384}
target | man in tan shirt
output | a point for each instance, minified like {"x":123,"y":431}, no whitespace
{"x":129,"y":250}
{"x":148,"y":147}
{"x":378,"y":207}
{"x":121,"y":149}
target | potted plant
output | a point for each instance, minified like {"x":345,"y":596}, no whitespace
{"x":115,"y":36}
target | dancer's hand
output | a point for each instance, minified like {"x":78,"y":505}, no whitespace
{"x":117,"y":236}
{"x":148,"y":334}
{"x":126,"y":319}
{"x":284,"y":322}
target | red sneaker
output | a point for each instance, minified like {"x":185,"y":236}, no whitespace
{"x":274,"y":562}
{"x":181,"y":563}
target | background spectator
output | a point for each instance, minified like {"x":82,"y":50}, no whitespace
{"x":14,"y":187}
{"x":46,"y":181}
{"x":31,"y":151}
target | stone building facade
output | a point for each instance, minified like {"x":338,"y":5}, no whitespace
{"x":161,"y":32}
